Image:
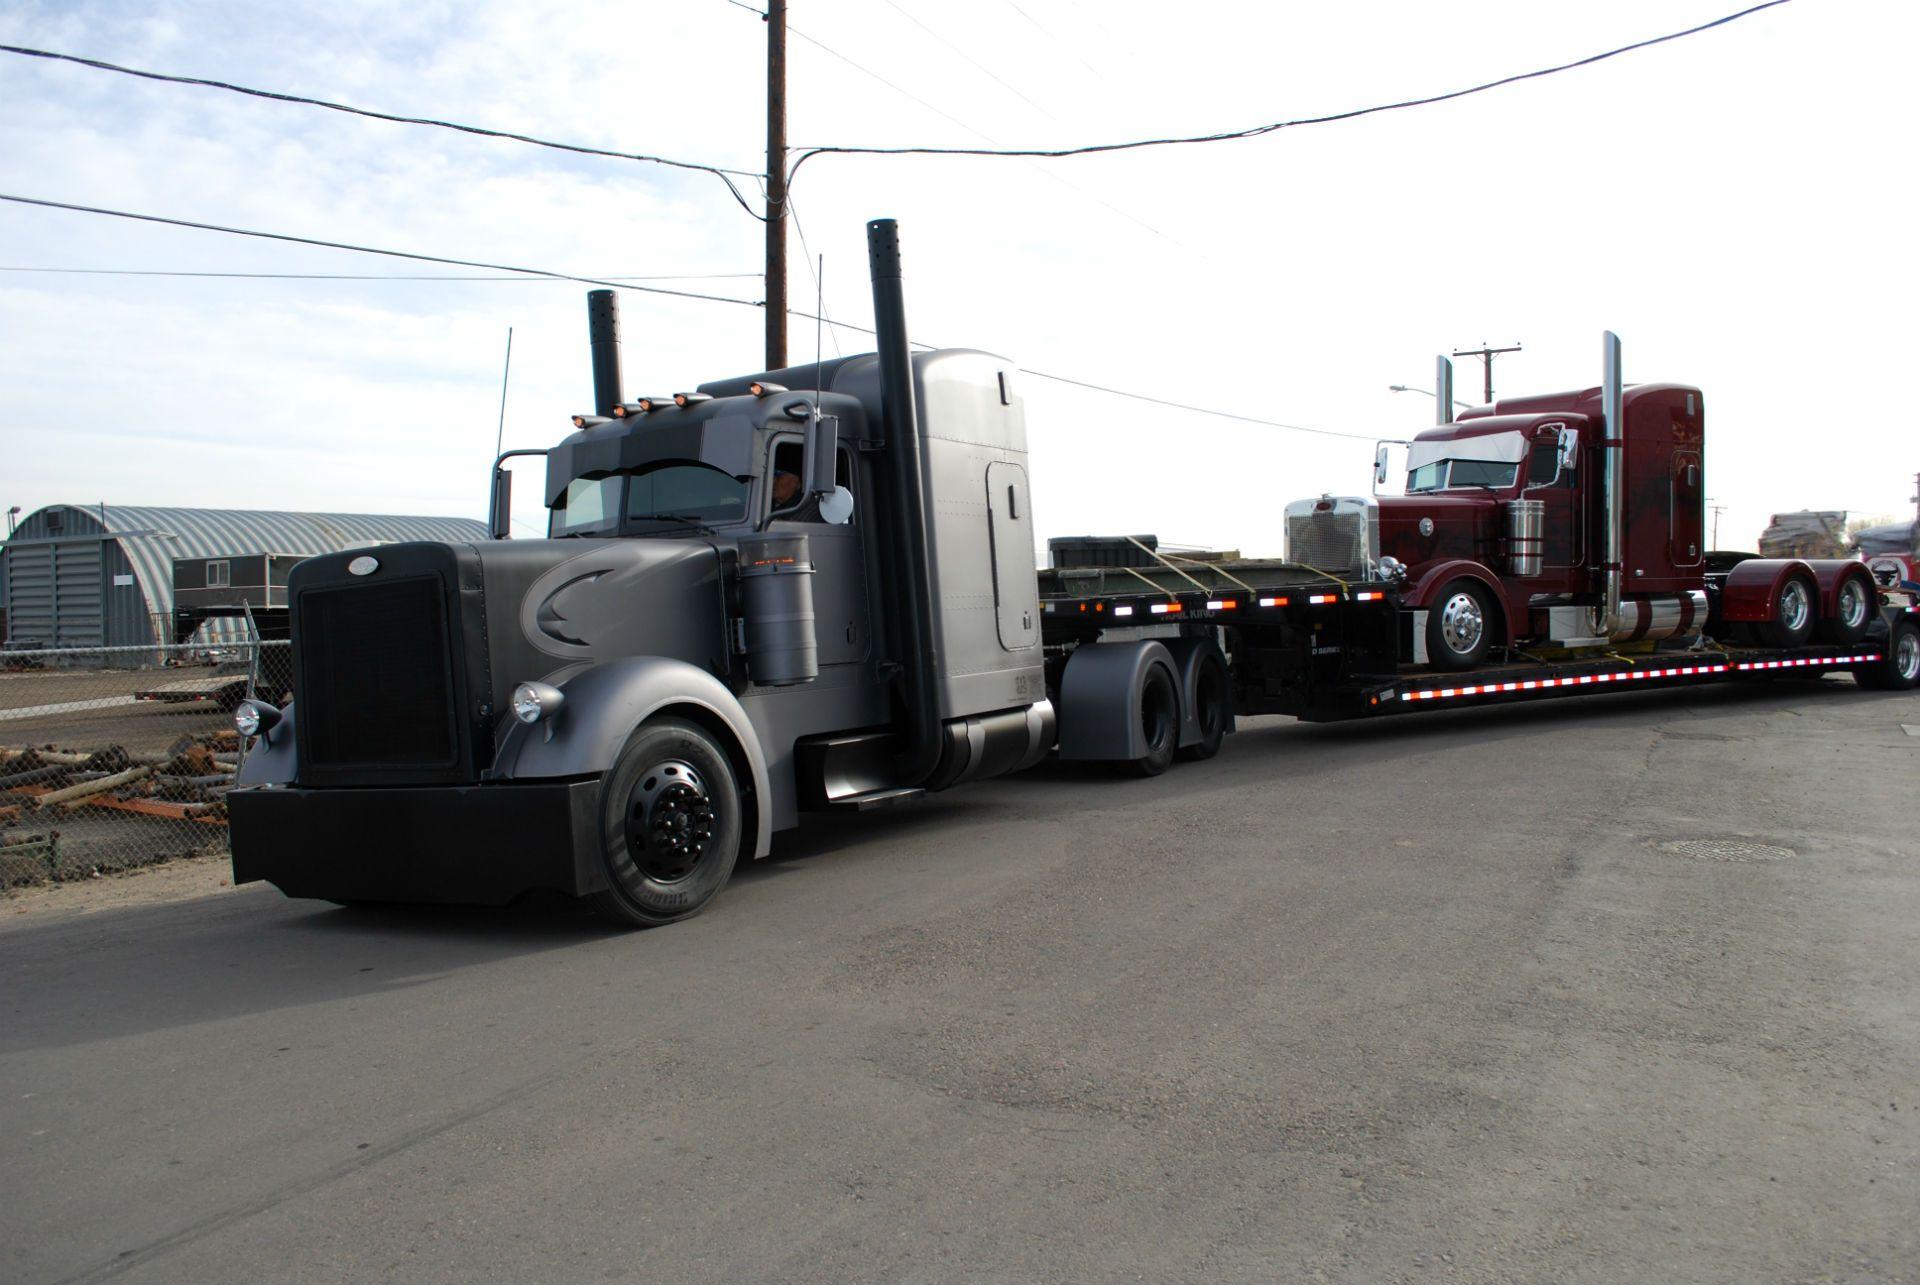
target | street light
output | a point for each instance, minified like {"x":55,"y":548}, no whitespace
{"x":1408,"y":388}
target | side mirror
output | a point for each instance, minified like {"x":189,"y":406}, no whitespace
{"x":823,"y":442}
{"x":500,"y":513}
{"x":1569,"y":449}
{"x":1380,"y":464}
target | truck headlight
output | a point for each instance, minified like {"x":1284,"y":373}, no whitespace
{"x":535,"y":701}
{"x":253,"y":717}
{"x":1391,"y":568}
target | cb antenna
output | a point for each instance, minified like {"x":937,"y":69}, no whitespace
{"x":819,"y":315}
{"x":501,"y":436}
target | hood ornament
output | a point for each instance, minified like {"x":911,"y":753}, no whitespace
{"x":363,"y":566}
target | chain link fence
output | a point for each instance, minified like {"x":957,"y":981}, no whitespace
{"x":117,"y":757}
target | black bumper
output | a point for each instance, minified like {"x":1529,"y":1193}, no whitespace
{"x":468,"y":844}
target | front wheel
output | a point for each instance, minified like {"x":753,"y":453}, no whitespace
{"x":671,"y":822}
{"x":1459,"y":626}
{"x":1898,"y":668}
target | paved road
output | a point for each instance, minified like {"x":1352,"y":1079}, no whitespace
{"x":1418,"y":1000}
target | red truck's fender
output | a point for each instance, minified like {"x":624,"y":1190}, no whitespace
{"x":1419,"y":595}
{"x":1830,"y":573}
{"x":1752,"y":589}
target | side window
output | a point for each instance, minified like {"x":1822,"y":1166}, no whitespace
{"x":1542,"y":463}
{"x":787,"y":477}
{"x":219,"y":575}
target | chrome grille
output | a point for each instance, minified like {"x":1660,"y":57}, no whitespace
{"x":1343,"y":538}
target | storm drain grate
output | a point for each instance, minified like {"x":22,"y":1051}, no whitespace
{"x":1728,"y":850}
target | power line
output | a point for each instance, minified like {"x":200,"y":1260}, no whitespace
{"x":677,"y":294}
{"x":717,"y":171}
{"x":1256,"y":131}
{"x":618,"y":278}
{"x":983,"y":68}
{"x":367,"y":249}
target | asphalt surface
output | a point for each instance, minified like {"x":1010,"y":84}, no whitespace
{"x":1425,"y":999}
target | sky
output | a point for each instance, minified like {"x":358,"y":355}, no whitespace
{"x":1737,"y":206}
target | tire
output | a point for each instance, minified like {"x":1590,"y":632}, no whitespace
{"x":1459,"y":626}
{"x":1212,"y":707}
{"x":1853,"y":606}
{"x":1793,"y":615}
{"x":671,"y":821}
{"x":1159,"y":714}
{"x":1898,"y":668}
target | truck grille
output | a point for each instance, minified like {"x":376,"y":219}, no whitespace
{"x":376,"y":676}
{"x":1343,"y":539}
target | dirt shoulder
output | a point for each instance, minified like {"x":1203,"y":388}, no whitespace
{"x":178,"y":880}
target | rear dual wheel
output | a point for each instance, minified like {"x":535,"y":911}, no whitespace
{"x":1793,"y":616}
{"x":1159,"y":715}
{"x":1852,"y":612}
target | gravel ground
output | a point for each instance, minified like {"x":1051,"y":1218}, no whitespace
{"x":1443,"y":998}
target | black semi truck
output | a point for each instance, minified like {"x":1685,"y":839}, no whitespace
{"x":798,"y":591}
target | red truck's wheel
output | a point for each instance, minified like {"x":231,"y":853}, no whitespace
{"x":1898,"y":668}
{"x":1852,"y":612}
{"x":1459,"y":626}
{"x":671,"y":824}
{"x":1793,"y":616}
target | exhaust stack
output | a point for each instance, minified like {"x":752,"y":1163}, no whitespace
{"x":1442,"y":391}
{"x":603,"y":338}
{"x":1613,"y":493}
{"x":913,"y":581}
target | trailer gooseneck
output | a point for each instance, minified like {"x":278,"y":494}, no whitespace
{"x":814,"y":589}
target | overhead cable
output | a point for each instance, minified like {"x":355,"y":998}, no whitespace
{"x":724,"y":174}
{"x":1256,"y":131}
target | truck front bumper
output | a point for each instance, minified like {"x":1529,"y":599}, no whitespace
{"x":468,"y":844}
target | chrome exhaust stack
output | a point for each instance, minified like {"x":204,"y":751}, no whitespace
{"x":1442,"y":391}
{"x":1613,"y":493}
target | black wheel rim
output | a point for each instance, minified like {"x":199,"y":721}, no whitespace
{"x":670,"y":821}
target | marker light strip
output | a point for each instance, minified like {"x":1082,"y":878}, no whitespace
{"x":1577,"y":680}
{"x":1166,"y":608}
{"x":1221,"y":604}
{"x":1123,"y":611}
{"x":1275,"y":602}
{"x":1368,"y":595}
{"x":1318,"y":598}
{"x":1824,"y":661}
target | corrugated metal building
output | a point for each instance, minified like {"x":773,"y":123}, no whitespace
{"x":102,"y":575}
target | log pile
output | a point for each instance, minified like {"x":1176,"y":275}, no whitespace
{"x":186,"y":783}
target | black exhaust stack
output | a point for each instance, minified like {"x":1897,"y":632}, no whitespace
{"x":913,"y":583}
{"x":603,"y":335}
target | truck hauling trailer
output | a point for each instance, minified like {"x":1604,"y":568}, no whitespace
{"x":814,"y":589}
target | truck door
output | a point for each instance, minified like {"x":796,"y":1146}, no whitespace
{"x":1689,"y":510}
{"x":1016,"y":589}
{"x":841,"y":623}
{"x":1561,"y":544}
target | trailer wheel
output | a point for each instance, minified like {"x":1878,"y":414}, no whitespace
{"x":1459,"y":626}
{"x":1898,"y":668}
{"x":1793,"y":614}
{"x":1212,"y":708}
{"x":1159,"y":715}
{"x":1852,"y":612}
{"x":671,"y":821}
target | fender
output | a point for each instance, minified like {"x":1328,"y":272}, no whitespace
{"x":1752,"y":589}
{"x":1189,"y":656}
{"x":1830,"y":573}
{"x":1418,"y":595}
{"x":1100,"y":697}
{"x":274,"y":758}
{"x":605,"y":702}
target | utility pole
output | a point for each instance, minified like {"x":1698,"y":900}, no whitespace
{"x":776,"y":20}
{"x":1718,"y":509}
{"x":1486,"y":356}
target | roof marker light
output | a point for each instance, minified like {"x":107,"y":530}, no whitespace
{"x":761,"y":388}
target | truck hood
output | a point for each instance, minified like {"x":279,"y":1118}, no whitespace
{"x":1464,"y":526}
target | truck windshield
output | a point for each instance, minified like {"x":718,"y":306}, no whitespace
{"x":1442,"y":475}
{"x":679,"y":493}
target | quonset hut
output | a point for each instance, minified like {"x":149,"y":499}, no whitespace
{"x":102,"y":575}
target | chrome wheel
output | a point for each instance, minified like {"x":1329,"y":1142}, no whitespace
{"x":1852,"y":607}
{"x":1461,"y":623}
{"x":1795,"y":607}
{"x":670,"y":821}
{"x":1906,"y":656}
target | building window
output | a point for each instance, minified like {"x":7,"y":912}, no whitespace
{"x":219,"y":575}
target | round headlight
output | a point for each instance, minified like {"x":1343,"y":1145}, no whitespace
{"x":247,"y":719}
{"x":535,"y":701}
